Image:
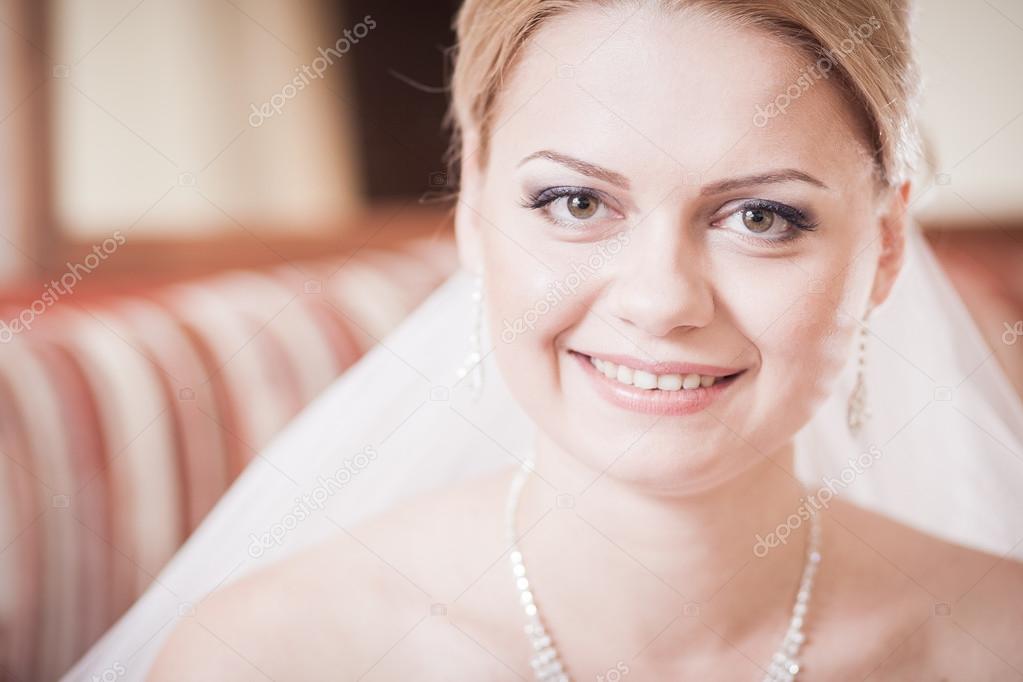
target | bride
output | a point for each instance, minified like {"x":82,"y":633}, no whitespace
{"x":732,"y":422}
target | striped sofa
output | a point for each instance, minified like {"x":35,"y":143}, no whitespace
{"x":123,"y":418}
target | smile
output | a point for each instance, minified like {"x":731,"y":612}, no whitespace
{"x":656,"y":388}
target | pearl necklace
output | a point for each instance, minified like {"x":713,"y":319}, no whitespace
{"x":546,"y":662}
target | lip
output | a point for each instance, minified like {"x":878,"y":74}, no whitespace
{"x":649,"y":401}
{"x":664,"y":367}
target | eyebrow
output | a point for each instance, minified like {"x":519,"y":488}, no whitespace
{"x":580,"y":166}
{"x":768,"y":178}
{"x":726,"y":185}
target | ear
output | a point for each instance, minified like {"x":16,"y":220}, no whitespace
{"x":893,"y":221}
{"x":468,"y":226}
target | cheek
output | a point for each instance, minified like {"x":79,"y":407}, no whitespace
{"x":804,"y":352}
{"x":799,"y":318}
{"x":521,"y":294}
{"x":531,"y":298}
{"x":539,"y":286}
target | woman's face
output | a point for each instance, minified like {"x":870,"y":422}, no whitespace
{"x":636,"y":209}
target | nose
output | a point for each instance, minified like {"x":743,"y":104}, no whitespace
{"x":661,"y":284}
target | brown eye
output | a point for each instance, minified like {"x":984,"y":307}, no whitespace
{"x":757,"y":219}
{"x":582,"y":206}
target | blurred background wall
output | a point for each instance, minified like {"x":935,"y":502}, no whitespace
{"x":972,"y":113}
{"x":209,"y":209}
{"x":234,"y":128}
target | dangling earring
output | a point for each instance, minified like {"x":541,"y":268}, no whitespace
{"x":473,"y":365}
{"x":858,"y":412}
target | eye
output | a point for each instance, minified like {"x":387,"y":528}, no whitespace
{"x":766,"y":221}
{"x":582,"y":206}
{"x":757,"y":219}
{"x":570,"y":206}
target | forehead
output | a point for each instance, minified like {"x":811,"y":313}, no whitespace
{"x":678,"y":90}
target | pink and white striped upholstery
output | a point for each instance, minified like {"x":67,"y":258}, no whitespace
{"x":124,"y":418}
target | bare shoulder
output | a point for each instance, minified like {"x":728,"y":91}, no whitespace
{"x":335,"y":605}
{"x":945,"y":610}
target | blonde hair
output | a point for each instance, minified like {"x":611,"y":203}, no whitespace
{"x":879,"y":75}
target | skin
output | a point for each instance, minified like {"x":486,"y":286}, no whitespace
{"x":651,"y":567}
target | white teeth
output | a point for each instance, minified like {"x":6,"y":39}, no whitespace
{"x":669,"y":382}
{"x":641,"y":379}
{"x":646,"y":380}
{"x":691,"y":381}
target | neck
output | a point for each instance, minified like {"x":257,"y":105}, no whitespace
{"x":596,"y":536}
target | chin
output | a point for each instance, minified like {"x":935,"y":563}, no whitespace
{"x":662,"y":461}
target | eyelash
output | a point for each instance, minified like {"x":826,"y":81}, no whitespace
{"x":793,"y":216}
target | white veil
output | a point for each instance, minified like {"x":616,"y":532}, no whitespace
{"x":946,"y":431}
